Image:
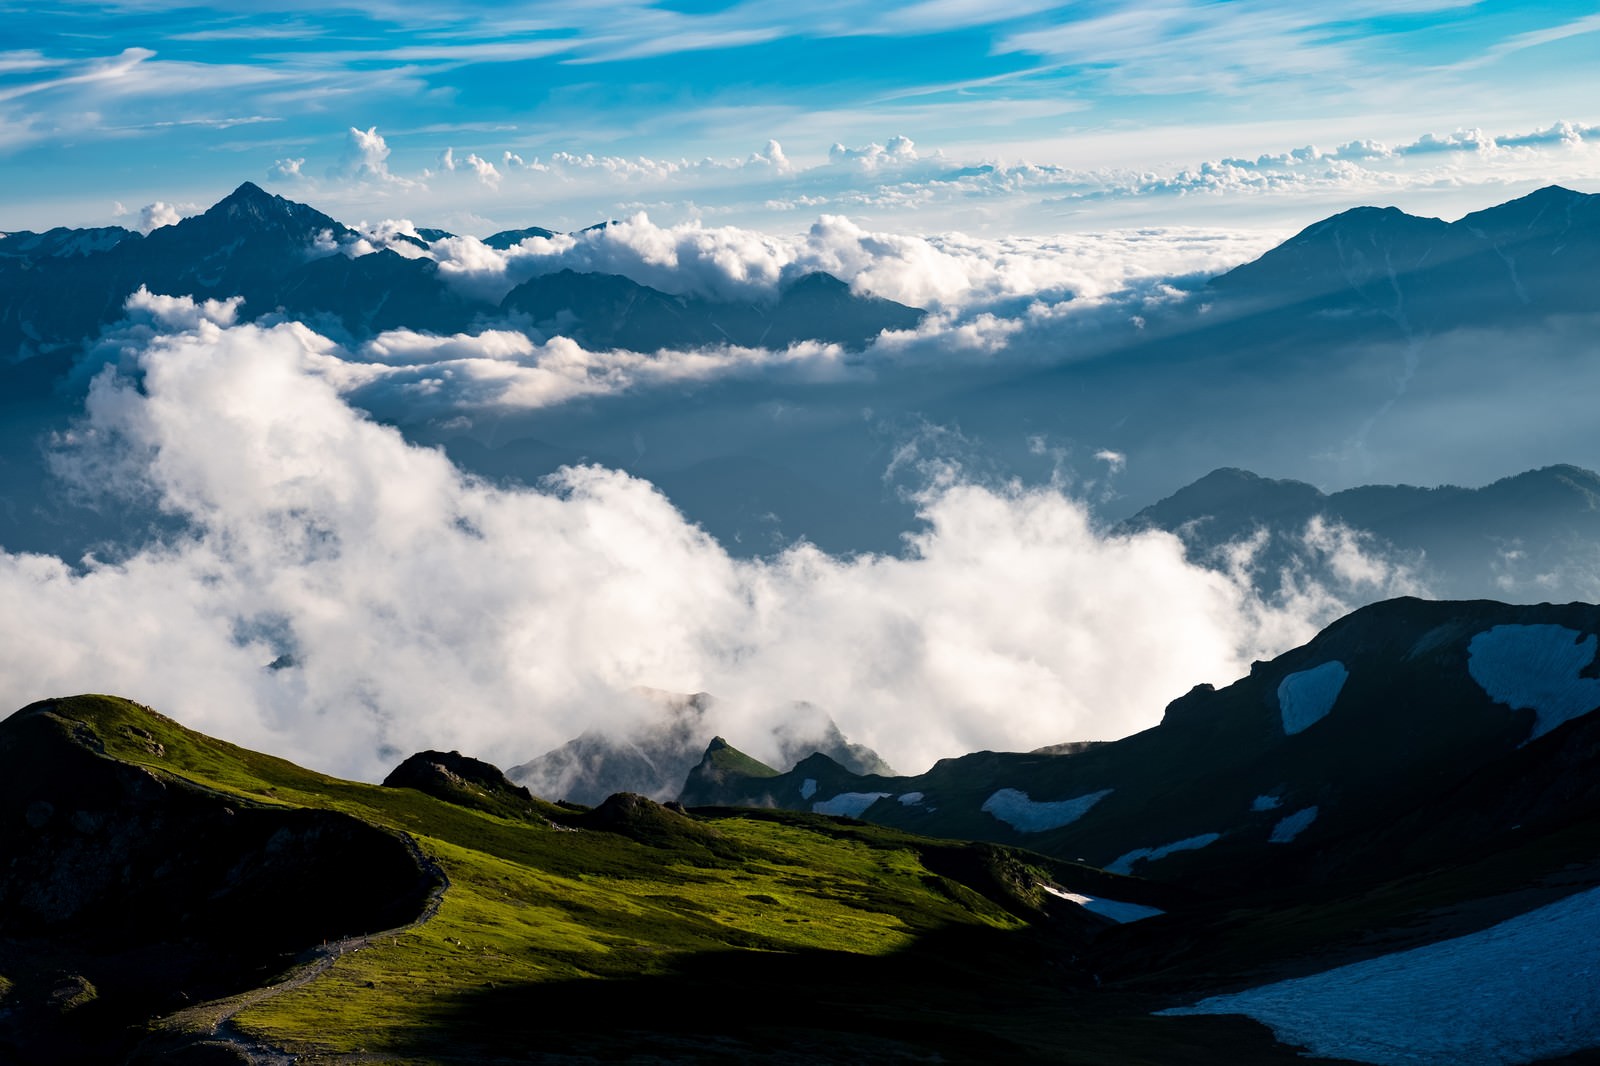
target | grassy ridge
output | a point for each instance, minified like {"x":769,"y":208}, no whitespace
{"x":727,"y":935}
{"x":532,"y":904}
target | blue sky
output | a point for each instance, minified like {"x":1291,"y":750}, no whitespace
{"x":983,"y":115}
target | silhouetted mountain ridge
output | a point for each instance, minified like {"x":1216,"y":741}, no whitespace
{"x":1528,"y":256}
{"x":1407,"y":734}
{"x":1515,"y":535}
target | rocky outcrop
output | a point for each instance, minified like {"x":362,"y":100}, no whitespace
{"x":153,"y":892}
{"x":466,"y":782}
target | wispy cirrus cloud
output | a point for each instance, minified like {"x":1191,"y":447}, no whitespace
{"x":991,"y":83}
{"x":897,"y":183}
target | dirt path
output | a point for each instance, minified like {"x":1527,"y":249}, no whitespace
{"x":211,"y":1024}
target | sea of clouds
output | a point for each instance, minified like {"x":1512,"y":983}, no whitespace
{"x":1019,"y":299}
{"x":342,"y":597}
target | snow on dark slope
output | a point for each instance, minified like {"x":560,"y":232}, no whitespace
{"x":1405,"y":734}
{"x":1521,"y":991}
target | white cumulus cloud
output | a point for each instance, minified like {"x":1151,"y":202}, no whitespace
{"x":343,"y":598}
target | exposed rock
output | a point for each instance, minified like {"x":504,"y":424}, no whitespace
{"x":156,"y":892}
{"x":465,"y":781}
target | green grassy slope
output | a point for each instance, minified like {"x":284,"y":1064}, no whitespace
{"x":722,"y":935}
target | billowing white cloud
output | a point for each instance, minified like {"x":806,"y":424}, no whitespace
{"x":366,"y":158}
{"x":900,"y":149}
{"x":343,"y":598}
{"x":154,"y":216}
{"x":286,"y":170}
{"x":772,"y":155}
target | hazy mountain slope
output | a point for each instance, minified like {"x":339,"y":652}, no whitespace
{"x":1372,"y":346}
{"x":610,"y":311}
{"x":654,"y":756}
{"x":1521,"y":537}
{"x":1527,"y":256}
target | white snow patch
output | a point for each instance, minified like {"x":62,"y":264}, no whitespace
{"x":1124,"y":864}
{"x":1306,"y":697}
{"x":808,"y":788}
{"x":1118,"y":911}
{"x":1521,"y":991}
{"x":1536,"y":667}
{"x":912,"y":799}
{"x":1014,"y":808}
{"x":852,"y":804}
{"x":1292,"y":825}
{"x":1266,"y":803}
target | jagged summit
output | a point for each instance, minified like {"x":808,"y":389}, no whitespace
{"x":255,"y":209}
{"x":249,"y":190}
{"x":464,"y":781}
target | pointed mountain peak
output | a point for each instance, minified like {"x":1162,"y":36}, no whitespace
{"x":722,"y":758}
{"x":250,"y":198}
{"x":249,"y":190}
{"x":252,"y":206}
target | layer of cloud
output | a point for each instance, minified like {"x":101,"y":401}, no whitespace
{"x":343,"y":598}
{"x":951,"y":272}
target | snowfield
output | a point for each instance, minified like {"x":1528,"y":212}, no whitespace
{"x":1115,"y":909}
{"x":1291,"y":826}
{"x":1537,"y":668}
{"x":1305,"y":698}
{"x":1013,"y":807}
{"x":850,"y":804}
{"x":1124,"y":863}
{"x":1524,"y":990}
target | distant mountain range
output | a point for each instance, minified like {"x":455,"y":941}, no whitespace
{"x":1373,"y":346}
{"x":655,"y":757}
{"x":1531,"y":256}
{"x":59,"y":288}
{"x":1531,"y":535}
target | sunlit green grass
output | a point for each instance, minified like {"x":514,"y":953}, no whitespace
{"x":533,"y":902}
